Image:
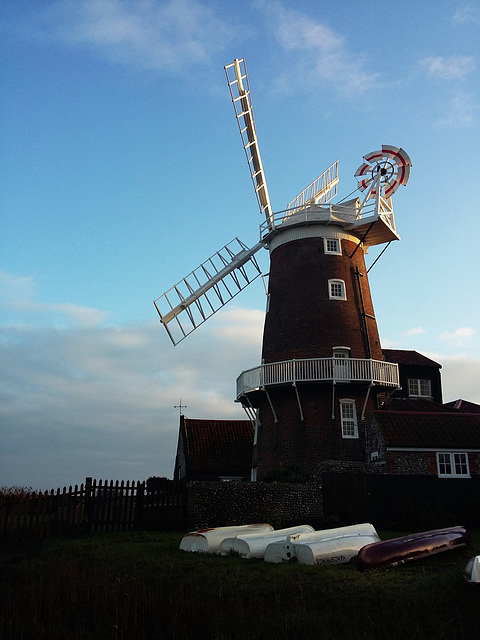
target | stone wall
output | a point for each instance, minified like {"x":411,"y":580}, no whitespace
{"x":216,"y":504}
{"x":411,"y":463}
{"x":346,"y":466}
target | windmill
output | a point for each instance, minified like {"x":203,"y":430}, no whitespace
{"x":322,"y":366}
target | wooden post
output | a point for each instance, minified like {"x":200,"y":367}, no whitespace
{"x":139,"y":505}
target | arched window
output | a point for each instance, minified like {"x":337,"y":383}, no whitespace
{"x":336,"y":290}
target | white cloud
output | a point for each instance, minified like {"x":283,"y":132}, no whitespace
{"x":15,"y":287}
{"x":460,"y":377}
{"x":329,"y":59}
{"x":415,"y":331}
{"x":18,"y":300}
{"x":459,"y":113}
{"x":163,"y":36}
{"x":244,"y":325}
{"x":448,"y":68}
{"x":97,"y":400}
{"x":60,"y":313}
{"x":468,"y":13}
{"x":460,"y":336}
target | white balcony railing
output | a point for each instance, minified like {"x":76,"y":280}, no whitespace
{"x":378,"y":372}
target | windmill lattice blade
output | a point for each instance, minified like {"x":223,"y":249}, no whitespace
{"x":320,"y":191}
{"x":239,"y":86}
{"x":207,"y":289}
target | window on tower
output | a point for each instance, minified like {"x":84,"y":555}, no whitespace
{"x":336,"y":290}
{"x":348,"y":415}
{"x":332,"y":245}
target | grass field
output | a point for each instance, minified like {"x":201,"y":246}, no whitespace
{"x":140,"y":586}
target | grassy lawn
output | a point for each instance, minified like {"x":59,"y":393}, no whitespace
{"x":140,"y":586}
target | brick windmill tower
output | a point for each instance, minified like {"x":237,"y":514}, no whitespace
{"x":322,"y":366}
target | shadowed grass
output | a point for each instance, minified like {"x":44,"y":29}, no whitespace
{"x":139,"y":585}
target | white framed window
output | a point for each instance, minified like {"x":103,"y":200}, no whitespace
{"x":452,"y":465}
{"x":419,"y":387}
{"x":341,"y":352}
{"x":348,"y":415}
{"x":336,"y":290}
{"x":332,"y":245}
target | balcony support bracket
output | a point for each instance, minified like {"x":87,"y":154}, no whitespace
{"x":275,"y":419}
{"x":298,"y":402}
{"x":366,"y":400}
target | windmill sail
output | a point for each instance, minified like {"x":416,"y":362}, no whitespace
{"x":320,"y":191}
{"x":240,"y":91}
{"x":207,"y":289}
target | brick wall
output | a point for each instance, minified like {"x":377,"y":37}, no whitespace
{"x":299,"y":274}
{"x":303,"y":443}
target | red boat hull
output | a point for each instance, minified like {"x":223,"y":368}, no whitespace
{"x":411,"y":547}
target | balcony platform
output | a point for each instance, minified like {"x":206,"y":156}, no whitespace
{"x":312,"y":370}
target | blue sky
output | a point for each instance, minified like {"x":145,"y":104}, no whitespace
{"x":122,"y":170}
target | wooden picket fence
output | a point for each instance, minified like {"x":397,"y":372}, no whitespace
{"x":95,"y":506}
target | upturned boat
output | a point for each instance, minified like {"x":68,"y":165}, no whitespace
{"x":411,"y":547}
{"x":472,"y":570}
{"x":328,"y":546}
{"x":208,"y":540}
{"x":254,"y":545}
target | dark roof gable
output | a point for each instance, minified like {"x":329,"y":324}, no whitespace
{"x":404,"y":356}
{"x":464,"y":406}
{"x":218,"y":446}
{"x":416,"y":430}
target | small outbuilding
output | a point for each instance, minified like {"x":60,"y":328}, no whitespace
{"x":214,"y":450}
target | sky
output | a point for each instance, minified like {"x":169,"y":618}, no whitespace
{"x":122,"y":170}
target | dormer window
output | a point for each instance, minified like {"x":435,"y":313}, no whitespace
{"x":336,"y":290}
{"x":419,"y":388}
{"x":332,"y":245}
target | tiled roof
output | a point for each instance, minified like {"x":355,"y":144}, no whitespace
{"x":407,"y":429}
{"x":403,"y":356}
{"x":464,"y":406}
{"x":218,"y":446}
{"x":417,"y":405}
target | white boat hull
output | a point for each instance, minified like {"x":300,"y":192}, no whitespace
{"x":254,"y":545}
{"x":472,"y":570}
{"x":329,"y":546}
{"x":209,"y":540}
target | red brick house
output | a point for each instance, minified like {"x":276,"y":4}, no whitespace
{"x":440,"y":443}
{"x":214,"y":450}
{"x":413,"y":433}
